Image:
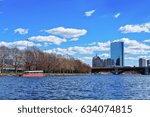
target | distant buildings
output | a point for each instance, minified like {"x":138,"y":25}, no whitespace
{"x":108,"y":62}
{"x":117,"y":58}
{"x":98,"y":62}
{"x":117,"y":53}
{"x":142,"y":62}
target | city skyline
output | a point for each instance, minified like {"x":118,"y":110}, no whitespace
{"x":117,"y":58}
{"x":79,"y":28}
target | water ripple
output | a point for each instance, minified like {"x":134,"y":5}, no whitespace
{"x":92,"y":87}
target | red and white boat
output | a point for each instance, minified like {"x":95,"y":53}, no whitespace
{"x":36,"y":73}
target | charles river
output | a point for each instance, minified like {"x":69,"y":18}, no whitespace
{"x":84,"y":87}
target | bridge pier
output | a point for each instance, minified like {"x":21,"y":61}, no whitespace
{"x":146,"y":71}
{"x":116,"y":71}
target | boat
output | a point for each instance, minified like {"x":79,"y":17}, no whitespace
{"x":36,"y":73}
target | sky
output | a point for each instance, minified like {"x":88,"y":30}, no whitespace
{"x":79,"y":28}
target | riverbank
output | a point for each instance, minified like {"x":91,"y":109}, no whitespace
{"x":47,"y":74}
{"x":69,"y":74}
{"x":9,"y":74}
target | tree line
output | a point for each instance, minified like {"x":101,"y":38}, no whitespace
{"x":34,"y":59}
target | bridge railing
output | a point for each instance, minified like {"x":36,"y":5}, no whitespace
{"x":119,"y":70}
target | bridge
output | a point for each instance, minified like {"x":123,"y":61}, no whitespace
{"x":121,"y":70}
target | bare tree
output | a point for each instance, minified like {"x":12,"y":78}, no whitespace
{"x":28,"y":60}
{"x":17,"y":56}
{"x":34,"y":59}
{"x":3,"y":55}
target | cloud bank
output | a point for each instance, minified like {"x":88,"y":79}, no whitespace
{"x":67,"y":32}
{"x":48,"y":39}
{"x":135,"y":28}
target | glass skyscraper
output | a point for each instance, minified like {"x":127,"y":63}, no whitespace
{"x":117,"y":53}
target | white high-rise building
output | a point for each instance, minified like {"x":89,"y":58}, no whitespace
{"x":142,"y":62}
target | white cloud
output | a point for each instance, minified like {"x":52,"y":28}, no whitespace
{"x":133,"y":50}
{"x":135,"y":28}
{"x":131,"y":58}
{"x":88,"y":58}
{"x":104,"y":46}
{"x":145,"y":56}
{"x":133,"y":43}
{"x":82,"y":49}
{"x":147,"y":41}
{"x":117,"y":15}
{"x":62,"y":51}
{"x":66,"y":32}
{"x":74,"y":50}
{"x":74,"y":39}
{"x":21,"y":31}
{"x":134,"y":60}
{"x":48,"y":39}
{"x":19,"y":44}
{"x":104,"y":55}
{"x":134,"y":47}
{"x":136,"y":51}
{"x":89,"y":13}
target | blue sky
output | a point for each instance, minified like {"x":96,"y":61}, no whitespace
{"x":80,"y":28}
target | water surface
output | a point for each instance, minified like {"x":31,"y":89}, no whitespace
{"x":86,"y":87}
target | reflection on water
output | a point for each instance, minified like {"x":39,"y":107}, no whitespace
{"x":90,"y":87}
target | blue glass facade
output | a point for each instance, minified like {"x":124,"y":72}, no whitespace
{"x":117,"y":53}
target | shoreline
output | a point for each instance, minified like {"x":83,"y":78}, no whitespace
{"x":65,"y":74}
{"x":46,"y":74}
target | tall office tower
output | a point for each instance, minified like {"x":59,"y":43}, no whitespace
{"x":97,"y":62}
{"x":142,"y":62}
{"x":117,"y":53}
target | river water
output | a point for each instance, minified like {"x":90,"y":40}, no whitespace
{"x":85,"y":87}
